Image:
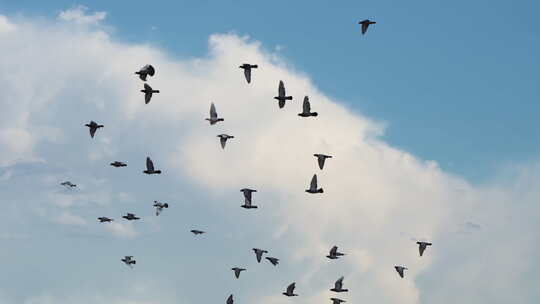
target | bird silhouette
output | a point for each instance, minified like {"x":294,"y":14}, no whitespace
{"x":247,"y":70}
{"x":290,"y":290}
{"x":213,"y":115}
{"x":306,"y":109}
{"x":313,"y":186}
{"x":150,"y":167}
{"x":365,"y":24}
{"x":93,"y":127}
{"x":145,"y":71}
{"x":148,"y":91}
{"x":281,"y":95}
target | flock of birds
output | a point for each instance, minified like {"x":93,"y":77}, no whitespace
{"x":149,"y":70}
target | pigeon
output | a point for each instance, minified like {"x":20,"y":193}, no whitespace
{"x":334,"y":254}
{"x":150,"y":167}
{"x":290,"y":290}
{"x":313,"y":186}
{"x":259,"y":253}
{"x":146,"y":70}
{"x":159,"y":207}
{"x":337,"y":301}
{"x":230,"y":299}
{"x":247,"y":70}
{"x":131,"y":217}
{"x":213,"y":115}
{"x":128,"y":260}
{"x":281,"y":95}
{"x":247,"y":198}
{"x":422,"y":246}
{"x":223,"y":139}
{"x":118,"y":164}
{"x":306,"y":109}
{"x":400,"y":270}
{"x":104,"y":219}
{"x":68,"y":184}
{"x":321,"y":158}
{"x":148,"y":91}
{"x":197,"y":232}
{"x":274,"y":261}
{"x":93,"y":127}
{"x":237,"y":271}
{"x":365,"y":24}
{"x":338,"y":286}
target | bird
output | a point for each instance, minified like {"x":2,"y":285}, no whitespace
{"x":306,"y":109}
{"x":247,"y":198}
{"x":131,"y":217}
{"x":290,"y":290}
{"x":150,"y":167}
{"x":321,"y":158}
{"x":230,"y":299}
{"x":223,"y":139}
{"x":68,"y":184}
{"x":197,"y":232}
{"x":422,"y":246}
{"x":237,"y":271}
{"x":338,"y":286}
{"x":400,"y":270}
{"x":281,"y":95}
{"x":365,"y":24}
{"x":213,"y":115}
{"x":118,"y":164}
{"x":334,"y":254}
{"x":259,"y":253}
{"x":93,"y":127}
{"x":104,"y":219}
{"x":337,"y":301}
{"x":247,"y":70}
{"x":272,"y":260}
{"x":159,"y":207}
{"x":128,"y":260}
{"x":313,"y":186}
{"x":148,"y":91}
{"x":146,"y":70}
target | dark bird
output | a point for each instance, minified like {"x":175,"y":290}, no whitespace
{"x":334,"y":254}
{"x":148,"y":91}
{"x":313,"y":186}
{"x":197,"y":232}
{"x":128,"y":260}
{"x":150,"y":167}
{"x":118,"y":164}
{"x":306,"y":109}
{"x":274,"y":261}
{"x":365,"y":24}
{"x":159,"y":207}
{"x":247,"y":70}
{"x":223,"y":139}
{"x":290,"y":290}
{"x":237,"y":271}
{"x":145,"y":71}
{"x":259,"y":253}
{"x":230,"y":300}
{"x":247,"y":198}
{"x":68,"y":184}
{"x":104,"y":219}
{"x":338,"y":286}
{"x":337,"y":301}
{"x":213,"y":115}
{"x":400,"y":270}
{"x":281,"y":95}
{"x":321,"y":158}
{"x":93,"y":127}
{"x":131,"y":217}
{"x":422,"y":246}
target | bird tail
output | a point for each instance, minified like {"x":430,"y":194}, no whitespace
{"x":155,"y":91}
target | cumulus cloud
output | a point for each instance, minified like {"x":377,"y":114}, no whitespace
{"x":66,"y":218}
{"x":78,"y":15}
{"x":123,"y":230}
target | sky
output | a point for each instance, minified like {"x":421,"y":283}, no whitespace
{"x":430,"y":118}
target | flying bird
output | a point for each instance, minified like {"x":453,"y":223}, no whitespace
{"x":400,"y":270}
{"x":290,"y":290}
{"x":259,"y":253}
{"x":213,"y":115}
{"x":131,"y":217}
{"x":313,"y":186}
{"x":272,"y":260}
{"x":148,"y":91}
{"x":306,"y":109}
{"x":68,"y":184}
{"x":422,"y":246}
{"x":334,"y":254}
{"x":247,"y":198}
{"x":118,"y":164}
{"x":237,"y":271}
{"x":145,"y":71}
{"x":104,"y":219}
{"x":281,"y":95}
{"x":93,"y":127}
{"x":150,"y":167}
{"x":247,"y":70}
{"x":128,"y":260}
{"x":365,"y":24}
{"x":321,"y":158}
{"x":223,"y":139}
{"x":338,"y":286}
{"x":337,"y":301}
{"x":230,"y":299}
{"x":197,"y":232}
{"x":159,"y":207}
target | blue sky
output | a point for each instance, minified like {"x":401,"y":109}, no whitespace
{"x":454,"y":81}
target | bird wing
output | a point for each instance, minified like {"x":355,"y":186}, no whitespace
{"x":281,"y":89}
{"x":150,"y":69}
{"x":213,"y":113}
{"x":290,"y":288}
{"x":333,"y":251}
{"x":339,"y":283}
{"x":258,"y":253}
{"x":149,"y":164}
{"x":421,"y":248}
{"x":247,"y":196}
{"x":247,"y":73}
{"x":313,"y":185}
{"x":147,"y":96}
{"x":364,"y":27}
{"x":92,"y":131}
{"x":320,"y":160}
{"x":230,"y":299}
{"x":223,"y":141}
{"x":306,"y":106}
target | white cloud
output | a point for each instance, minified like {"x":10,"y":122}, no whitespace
{"x":66,"y":218}
{"x":123,"y":230}
{"x":5,"y":25}
{"x":78,"y":15}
